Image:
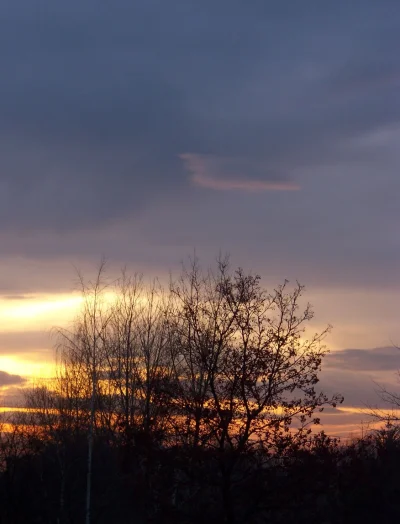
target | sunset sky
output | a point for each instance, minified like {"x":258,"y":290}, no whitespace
{"x":142,"y":130}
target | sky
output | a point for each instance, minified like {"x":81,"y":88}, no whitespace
{"x":142,"y":130}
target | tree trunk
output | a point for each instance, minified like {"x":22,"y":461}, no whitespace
{"x":90,"y":453}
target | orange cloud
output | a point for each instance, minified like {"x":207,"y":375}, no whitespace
{"x":220,"y":174}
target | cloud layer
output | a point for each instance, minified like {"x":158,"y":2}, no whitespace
{"x":98,"y":103}
{"x":377,"y":359}
{"x":141,"y":130}
{"x":358,"y":373}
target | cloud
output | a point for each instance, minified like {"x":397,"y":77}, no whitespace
{"x":6,"y":379}
{"x":17,"y":297}
{"x":223,"y":174}
{"x":97,"y":104}
{"x":358,"y":373}
{"x":37,"y":343}
{"x":358,"y":388}
{"x":97,"y":107}
{"x":377,"y":359}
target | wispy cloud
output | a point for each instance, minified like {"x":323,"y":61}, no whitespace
{"x":233,"y":174}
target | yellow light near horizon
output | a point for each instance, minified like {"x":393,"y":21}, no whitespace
{"x":37,"y":312}
{"x":40,"y":307}
{"x":27,"y":368}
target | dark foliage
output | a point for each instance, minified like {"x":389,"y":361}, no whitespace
{"x":321,"y":482}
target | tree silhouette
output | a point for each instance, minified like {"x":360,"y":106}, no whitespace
{"x":191,"y":402}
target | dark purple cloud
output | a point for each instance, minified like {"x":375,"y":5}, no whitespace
{"x":358,"y":374}
{"x":38,"y":343}
{"x":377,"y":359}
{"x":6,"y":379}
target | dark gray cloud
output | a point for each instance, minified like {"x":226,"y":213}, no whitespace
{"x":359,"y":389}
{"x":358,"y":374}
{"x":377,"y":359}
{"x":99,"y":103}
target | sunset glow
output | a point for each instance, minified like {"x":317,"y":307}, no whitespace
{"x":37,"y":312}
{"x":199,"y":268}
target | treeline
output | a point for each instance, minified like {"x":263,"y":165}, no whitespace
{"x":189,"y":403}
{"x":320,"y":482}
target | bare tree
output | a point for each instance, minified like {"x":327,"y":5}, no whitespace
{"x":216,"y":363}
{"x":243,"y":368}
{"x":82,"y":356}
{"x":137,"y":353}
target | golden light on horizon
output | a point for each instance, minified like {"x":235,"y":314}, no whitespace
{"x":37,"y":311}
{"x":28,"y":368}
{"x":41,"y":313}
{"x":33,"y":313}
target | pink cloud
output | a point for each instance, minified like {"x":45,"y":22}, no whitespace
{"x":215,"y":173}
